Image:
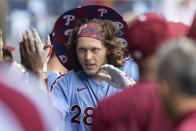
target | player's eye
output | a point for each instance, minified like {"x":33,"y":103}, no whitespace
{"x":95,"y":50}
{"x":81,"y":50}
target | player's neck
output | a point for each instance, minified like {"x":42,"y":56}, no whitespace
{"x":55,"y":65}
{"x":183,"y":105}
{"x":98,"y":78}
{"x":147,"y":67}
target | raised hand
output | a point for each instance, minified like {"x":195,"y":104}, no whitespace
{"x":34,"y":54}
{"x":46,"y":49}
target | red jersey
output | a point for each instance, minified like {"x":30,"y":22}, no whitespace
{"x":187,"y":122}
{"x":134,"y":109}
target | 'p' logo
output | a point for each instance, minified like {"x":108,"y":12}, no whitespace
{"x":63,"y":58}
{"x":68,"y":32}
{"x":119,"y":25}
{"x":68,"y":18}
{"x":123,"y":42}
{"x":102,"y":11}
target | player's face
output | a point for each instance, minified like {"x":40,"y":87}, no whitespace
{"x":92,"y":54}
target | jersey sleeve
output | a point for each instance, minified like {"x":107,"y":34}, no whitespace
{"x":59,"y":96}
{"x":51,"y":77}
{"x":131,"y":69}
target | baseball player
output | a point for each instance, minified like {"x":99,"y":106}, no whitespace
{"x":138,"y":108}
{"x":94,"y":42}
{"x":177,"y":82}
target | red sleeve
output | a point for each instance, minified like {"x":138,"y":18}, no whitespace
{"x":112,"y":114}
{"x":132,"y":109}
{"x":101,"y":117}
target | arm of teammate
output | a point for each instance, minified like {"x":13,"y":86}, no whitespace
{"x":34,"y":55}
{"x":116,"y":77}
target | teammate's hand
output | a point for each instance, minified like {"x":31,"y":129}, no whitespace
{"x":116,"y":77}
{"x":45,"y":50}
{"x":34,"y":46}
{"x":31,"y":57}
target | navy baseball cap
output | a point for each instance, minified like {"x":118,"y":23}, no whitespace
{"x":65,"y":23}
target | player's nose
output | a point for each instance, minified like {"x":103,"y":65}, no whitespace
{"x":89,"y":55}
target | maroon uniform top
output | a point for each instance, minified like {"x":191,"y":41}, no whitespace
{"x":187,"y":122}
{"x":134,"y":109}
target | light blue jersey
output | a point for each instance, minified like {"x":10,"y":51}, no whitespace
{"x":73,"y":96}
{"x":51,"y":77}
{"x":76,"y":95}
{"x":130,"y":67}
